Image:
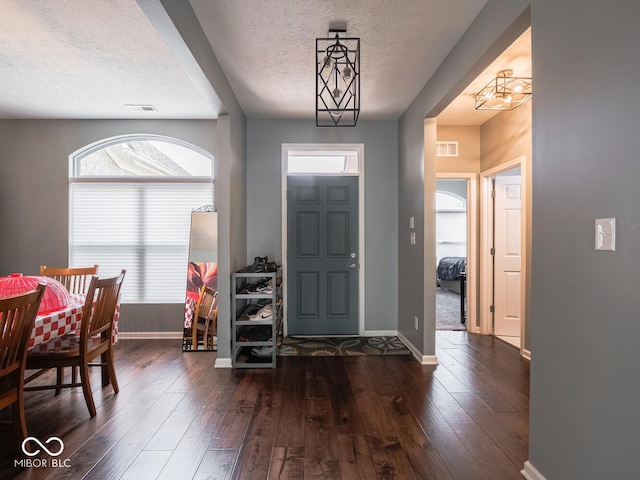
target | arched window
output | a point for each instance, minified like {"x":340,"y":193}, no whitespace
{"x":130,"y":203}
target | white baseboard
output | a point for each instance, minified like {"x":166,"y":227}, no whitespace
{"x":223,"y":363}
{"x":429,"y":360}
{"x":526,"y":354}
{"x":423,"y":359}
{"x":150,"y":335}
{"x":380,"y":333}
{"x":530,"y":472}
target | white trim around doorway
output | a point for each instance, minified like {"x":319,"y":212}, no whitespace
{"x":486,"y":233}
{"x":472,"y":245}
{"x":359,"y":147}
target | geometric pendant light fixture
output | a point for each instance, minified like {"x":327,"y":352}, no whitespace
{"x":337,"y":79}
{"x":505,"y":92}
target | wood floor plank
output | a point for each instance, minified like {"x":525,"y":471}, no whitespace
{"x":488,"y":455}
{"x":354,"y":458}
{"x":515,"y":447}
{"x":121,"y":455}
{"x":287,"y":463}
{"x":233,"y":427}
{"x":217,"y":465}
{"x":291,"y":380}
{"x":147,"y":465}
{"x":255,"y":456}
{"x":319,"y":432}
{"x":322,"y":470}
{"x":423,"y":457}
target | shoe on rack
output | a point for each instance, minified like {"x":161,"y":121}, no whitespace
{"x":265,"y":351}
{"x":265,"y":287}
{"x":271,"y":267}
{"x":250,"y":288}
{"x":265,"y":313}
{"x":259,"y":265}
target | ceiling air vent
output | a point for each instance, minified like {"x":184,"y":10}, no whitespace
{"x":447,"y":149}
{"x":141,"y":108}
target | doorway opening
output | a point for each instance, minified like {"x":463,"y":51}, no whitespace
{"x":503,"y":243}
{"x":451,"y":254}
{"x":323,"y":240}
{"x":456,"y":251}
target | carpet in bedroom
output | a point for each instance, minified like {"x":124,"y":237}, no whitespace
{"x":448,"y":310}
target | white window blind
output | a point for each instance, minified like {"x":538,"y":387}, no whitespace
{"x":141,"y":227}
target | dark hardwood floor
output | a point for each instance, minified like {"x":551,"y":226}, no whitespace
{"x":176,"y":417}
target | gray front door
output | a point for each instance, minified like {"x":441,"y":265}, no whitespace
{"x":323,"y":258}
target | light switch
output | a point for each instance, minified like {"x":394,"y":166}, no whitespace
{"x":606,"y":234}
{"x":412,"y":238}
{"x":412,"y":223}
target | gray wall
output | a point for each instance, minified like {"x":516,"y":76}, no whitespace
{"x":585,"y":390}
{"x":264,"y":193}
{"x":495,"y":28}
{"x":232,"y":214}
{"x":34,"y":195}
{"x":506,"y":137}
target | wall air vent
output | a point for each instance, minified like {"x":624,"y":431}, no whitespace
{"x":141,"y":108}
{"x":447,"y":149}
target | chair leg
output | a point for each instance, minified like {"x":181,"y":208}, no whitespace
{"x":112,"y":370}
{"x":59,"y":379}
{"x":86,"y":388}
{"x":19,"y":419}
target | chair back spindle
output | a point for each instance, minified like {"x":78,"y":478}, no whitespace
{"x":75,"y":279}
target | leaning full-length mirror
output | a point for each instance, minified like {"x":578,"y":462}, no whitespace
{"x":201,"y":304}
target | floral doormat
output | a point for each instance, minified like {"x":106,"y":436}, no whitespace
{"x":341,"y":346}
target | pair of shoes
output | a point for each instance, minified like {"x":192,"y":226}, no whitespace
{"x":259,"y":265}
{"x":265,"y":351}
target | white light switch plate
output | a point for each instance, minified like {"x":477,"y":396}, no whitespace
{"x":606,"y":234}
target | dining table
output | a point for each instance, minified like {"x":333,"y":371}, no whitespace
{"x":56,"y":324}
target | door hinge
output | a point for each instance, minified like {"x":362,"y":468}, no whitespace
{"x":492,"y":309}
{"x":492,"y":251}
{"x":493,"y":194}
{"x":287,"y":195}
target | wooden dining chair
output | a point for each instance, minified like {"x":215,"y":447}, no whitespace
{"x":205,"y":319}
{"x":17,"y":316}
{"x":74,"y":279}
{"x":94,"y":341}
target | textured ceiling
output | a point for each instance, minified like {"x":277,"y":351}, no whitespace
{"x":87,"y":59}
{"x":267,"y":48}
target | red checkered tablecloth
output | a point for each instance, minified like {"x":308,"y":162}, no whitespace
{"x":189,"y":309}
{"x":57,"y":324}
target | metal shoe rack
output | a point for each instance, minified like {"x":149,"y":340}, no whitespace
{"x":242,"y":328}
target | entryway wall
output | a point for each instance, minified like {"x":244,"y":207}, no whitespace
{"x":497,"y":142}
{"x":264,"y":197}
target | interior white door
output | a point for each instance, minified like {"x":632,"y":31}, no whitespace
{"x":508,"y":256}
